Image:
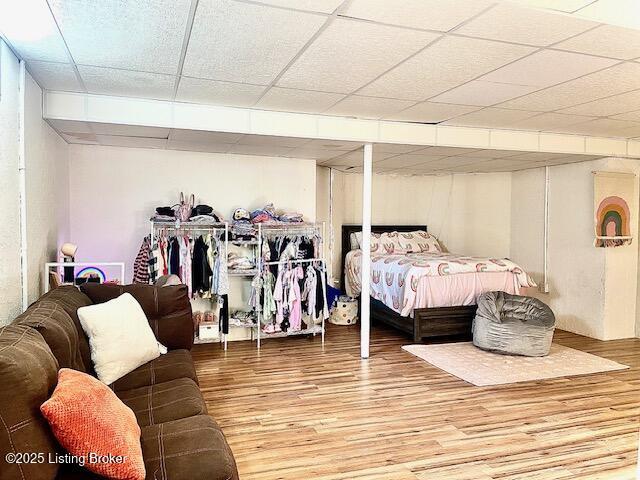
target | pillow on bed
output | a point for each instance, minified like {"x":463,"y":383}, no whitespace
{"x":410,"y":242}
{"x":376,"y":242}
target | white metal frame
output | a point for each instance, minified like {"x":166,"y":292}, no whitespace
{"x":49,"y":265}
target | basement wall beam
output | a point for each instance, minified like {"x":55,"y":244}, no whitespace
{"x":157,"y":113}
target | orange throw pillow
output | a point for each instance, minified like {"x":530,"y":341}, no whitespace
{"x":93,"y":424}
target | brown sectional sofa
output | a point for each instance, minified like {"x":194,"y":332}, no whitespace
{"x":179,"y":440}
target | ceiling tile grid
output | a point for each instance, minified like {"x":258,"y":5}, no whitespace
{"x":349,"y":54}
{"x":463,"y":62}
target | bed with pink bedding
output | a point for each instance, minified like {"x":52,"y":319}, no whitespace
{"x":404,"y":282}
{"x":417,"y":287}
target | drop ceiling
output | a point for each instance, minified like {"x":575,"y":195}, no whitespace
{"x":346,"y":156}
{"x":560,"y":67}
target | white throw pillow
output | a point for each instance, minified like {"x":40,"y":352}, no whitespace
{"x":119,"y":336}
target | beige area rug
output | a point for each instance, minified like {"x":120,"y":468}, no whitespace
{"x":482,"y":368}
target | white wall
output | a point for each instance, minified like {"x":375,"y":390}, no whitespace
{"x":47,"y":196}
{"x":114,"y":191}
{"x":10,"y":286}
{"x":592,"y":290}
{"x":469,"y":213}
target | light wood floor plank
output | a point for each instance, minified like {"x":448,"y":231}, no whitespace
{"x":297,"y":411}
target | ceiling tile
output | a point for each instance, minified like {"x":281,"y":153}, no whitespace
{"x":333,"y":144}
{"x":349,"y":54}
{"x":625,"y":13}
{"x":200,"y":136}
{"x":537,"y":156}
{"x":303,"y":101}
{"x":129,"y":130}
{"x":396,"y":148}
{"x":429,"y":112}
{"x":447,"y":151}
{"x":133,"y":142}
{"x":440,"y":15}
{"x":145,"y":36}
{"x":126,"y":83}
{"x":263,"y":150}
{"x":198,"y":90}
{"x":287,"y":142}
{"x":70,"y":126}
{"x":605,"y":107}
{"x":30,"y":28}
{"x":548,"y":67}
{"x":489,"y":153}
{"x":512,"y":23}
{"x":55,"y":76}
{"x":605,"y":127}
{"x":491,"y":118}
{"x":585,"y":89}
{"x":244,"y":42}
{"x":632,"y":116}
{"x":483,"y":93}
{"x":368,"y":107}
{"x":402,"y":161}
{"x":353,"y":159}
{"x":549,"y":121}
{"x":314,"y":153}
{"x":567,"y":6}
{"x":207,"y":147}
{"x":606,"y":40}
{"x":458,"y":60}
{"x":322,"y":6}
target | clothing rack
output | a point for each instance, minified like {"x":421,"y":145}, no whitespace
{"x":219,"y":229}
{"x":269,"y":230}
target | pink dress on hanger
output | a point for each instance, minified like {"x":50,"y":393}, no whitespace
{"x":295,"y":298}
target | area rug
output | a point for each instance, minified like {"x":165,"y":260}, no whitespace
{"x":482,"y":368}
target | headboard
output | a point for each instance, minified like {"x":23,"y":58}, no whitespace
{"x":347,"y":230}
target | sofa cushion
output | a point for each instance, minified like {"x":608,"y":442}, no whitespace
{"x":88,"y":419}
{"x":57,"y":329}
{"x":167,"y":308}
{"x":70,"y":299}
{"x":120,"y":337}
{"x":28,"y":373}
{"x":170,"y":366}
{"x":192,"y":448}
{"x":165,"y":401}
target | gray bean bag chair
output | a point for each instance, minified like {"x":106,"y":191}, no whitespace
{"x":512,"y":324}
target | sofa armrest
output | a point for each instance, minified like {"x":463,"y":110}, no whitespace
{"x":167,"y":308}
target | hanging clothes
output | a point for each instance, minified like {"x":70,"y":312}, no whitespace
{"x":295,"y":298}
{"x":200,"y":269}
{"x":186,"y":262}
{"x":269,"y":303}
{"x":153,"y":263}
{"x":309,"y":290}
{"x":174,"y":256}
{"x":141,"y":263}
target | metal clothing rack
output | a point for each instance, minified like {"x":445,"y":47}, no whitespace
{"x":158,"y":226}
{"x":300,"y":229}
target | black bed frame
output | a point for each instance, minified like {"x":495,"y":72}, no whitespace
{"x":427,"y":323}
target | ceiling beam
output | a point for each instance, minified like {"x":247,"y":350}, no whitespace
{"x":167,"y":114}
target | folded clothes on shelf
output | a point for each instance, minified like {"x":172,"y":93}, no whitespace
{"x":239,"y":262}
{"x":241,"y":318}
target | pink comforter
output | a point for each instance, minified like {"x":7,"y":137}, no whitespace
{"x":422,"y":280}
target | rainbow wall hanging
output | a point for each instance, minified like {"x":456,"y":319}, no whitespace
{"x":612,"y":213}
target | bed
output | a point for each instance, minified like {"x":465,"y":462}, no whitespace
{"x":419,"y":289}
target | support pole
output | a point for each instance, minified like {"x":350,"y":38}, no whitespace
{"x":365,"y":316}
